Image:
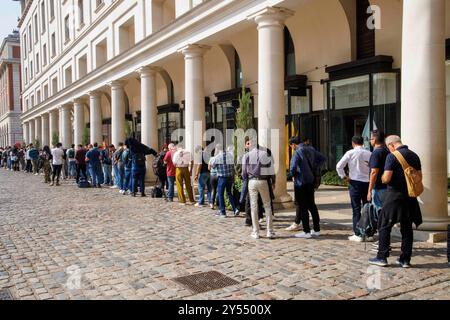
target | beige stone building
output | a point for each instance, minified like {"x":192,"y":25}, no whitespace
{"x":328,"y":69}
{"x":10,"y":103}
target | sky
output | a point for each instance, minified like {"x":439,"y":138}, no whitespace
{"x":9,"y":13}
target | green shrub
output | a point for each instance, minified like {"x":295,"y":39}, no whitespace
{"x":331,"y":178}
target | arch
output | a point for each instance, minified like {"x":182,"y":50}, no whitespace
{"x":289,"y":54}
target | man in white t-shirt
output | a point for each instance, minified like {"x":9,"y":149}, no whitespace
{"x":58,"y":161}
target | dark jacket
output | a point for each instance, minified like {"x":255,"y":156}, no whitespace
{"x":398,"y":208}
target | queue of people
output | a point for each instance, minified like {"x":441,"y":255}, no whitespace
{"x":379,"y":177}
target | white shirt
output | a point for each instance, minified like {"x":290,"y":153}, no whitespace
{"x":58,"y":156}
{"x":358,"y":164}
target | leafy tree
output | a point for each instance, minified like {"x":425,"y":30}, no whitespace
{"x":86,"y":136}
{"x":55,"y":138}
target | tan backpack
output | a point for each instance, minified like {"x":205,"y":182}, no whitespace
{"x":412,"y":176}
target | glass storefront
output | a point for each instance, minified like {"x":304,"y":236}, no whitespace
{"x":359,"y":105}
{"x":169,"y":120}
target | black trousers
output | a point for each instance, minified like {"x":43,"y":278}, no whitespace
{"x":56,"y":172}
{"x":385,"y":226}
{"x":358,"y":196}
{"x":305,"y":204}
{"x":29,"y":167}
{"x":162,"y":182}
{"x":81,"y":168}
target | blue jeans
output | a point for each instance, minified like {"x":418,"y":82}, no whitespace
{"x":204,"y":181}
{"x":96,"y":174}
{"x":107,"y":174}
{"x":72,"y":168}
{"x":138,"y":178}
{"x":225,"y":183}
{"x":358,"y":196}
{"x":127,"y":179}
{"x":378,"y":197}
{"x":171,"y":183}
{"x":118,"y":176}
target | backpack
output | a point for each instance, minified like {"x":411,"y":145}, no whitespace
{"x":139,"y":159}
{"x":71,"y":154}
{"x":368,"y":223}
{"x":412,"y":177}
{"x":157,"y":192}
{"x":83,"y":183}
{"x":158,"y":165}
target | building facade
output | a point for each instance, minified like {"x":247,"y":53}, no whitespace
{"x":10,"y":86}
{"x":328,"y":69}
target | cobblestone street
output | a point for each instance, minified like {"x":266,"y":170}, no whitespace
{"x":126,"y":248}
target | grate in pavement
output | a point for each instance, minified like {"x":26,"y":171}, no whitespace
{"x":5,"y":294}
{"x":207,"y":281}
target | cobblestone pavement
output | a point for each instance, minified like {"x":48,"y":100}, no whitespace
{"x":125,"y":248}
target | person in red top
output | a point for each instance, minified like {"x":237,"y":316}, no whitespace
{"x":171,"y":170}
{"x":80,"y":158}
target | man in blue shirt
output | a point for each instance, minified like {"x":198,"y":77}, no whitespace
{"x":398,"y":207}
{"x":303,"y":165}
{"x":95,"y":166}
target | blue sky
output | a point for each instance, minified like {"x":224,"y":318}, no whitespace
{"x":9,"y":12}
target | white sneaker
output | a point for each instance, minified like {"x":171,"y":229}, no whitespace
{"x":294,"y":227}
{"x":121,"y":191}
{"x":261,"y":220}
{"x":369,"y":239}
{"x":198,"y":205}
{"x":270,"y":235}
{"x":114,"y":187}
{"x":315,"y":234}
{"x":303,"y":235}
{"x":355,"y":238}
{"x":255,"y":235}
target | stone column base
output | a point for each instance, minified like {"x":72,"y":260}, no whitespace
{"x":424,"y":236}
{"x":283,"y":202}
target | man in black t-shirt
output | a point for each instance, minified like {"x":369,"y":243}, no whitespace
{"x":398,"y":207}
{"x":376,"y":163}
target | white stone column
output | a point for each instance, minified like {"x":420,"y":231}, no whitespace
{"x":45,"y":130}
{"x":32,"y":133}
{"x":66,"y":130}
{"x":271,"y":77}
{"x":78,"y":122}
{"x":38,"y":130}
{"x":149,"y":114}
{"x":54,"y":125}
{"x":95,"y":111}
{"x":423,"y":103}
{"x":194,"y":96}
{"x":26,"y":132}
{"x":117,"y":112}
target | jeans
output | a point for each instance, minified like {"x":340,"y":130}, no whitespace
{"x":214,"y":181}
{"x":138,"y":178}
{"x":305,"y":204}
{"x":56,"y":172}
{"x":127,"y":179}
{"x":358,"y":195}
{"x":258,"y":188}
{"x":72,"y":168}
{"x":244,"y":192}
{"x":171,"y":185}
{"x":81,"y":169}
{"x":225,"y":183}
{"x":204,"y":181}
{"x":96,"y":174}
{"x":107,"y":174}
{"x":378,"y":197}
{"x":118,"y":176}
{"x":162,"y":182}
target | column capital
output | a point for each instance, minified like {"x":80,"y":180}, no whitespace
{"x":271,"y":17}
{"x":95,"y":93}
{"x":194,"y":50}
{"x":45,"y":115}
{"x":66,"y":107}
{"x":147,"y":71}
{"x":78,"y":101}
{"x":116,"y":84}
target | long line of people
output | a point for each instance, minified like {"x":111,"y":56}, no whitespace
{"x":377,"y":177}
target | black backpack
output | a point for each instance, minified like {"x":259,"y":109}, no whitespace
{"x":158,"y":164}
{"x":368,"y":224}
{"x":83,"y":183}
{"x":157,"y":192}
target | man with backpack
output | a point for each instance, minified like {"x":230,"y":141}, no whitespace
{"x":138,"y":153}
{"x":357,"y":161}
{"x":72,"y":164}
{"x":95,"y":166}
{"x":403,"y":175}
{"x":34,"y":156}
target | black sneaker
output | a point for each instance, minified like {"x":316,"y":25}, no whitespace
{"x":403,"y":264}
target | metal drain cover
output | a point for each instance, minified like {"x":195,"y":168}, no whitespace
{"x":5,"y":294}
{"x":207,"y":281}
